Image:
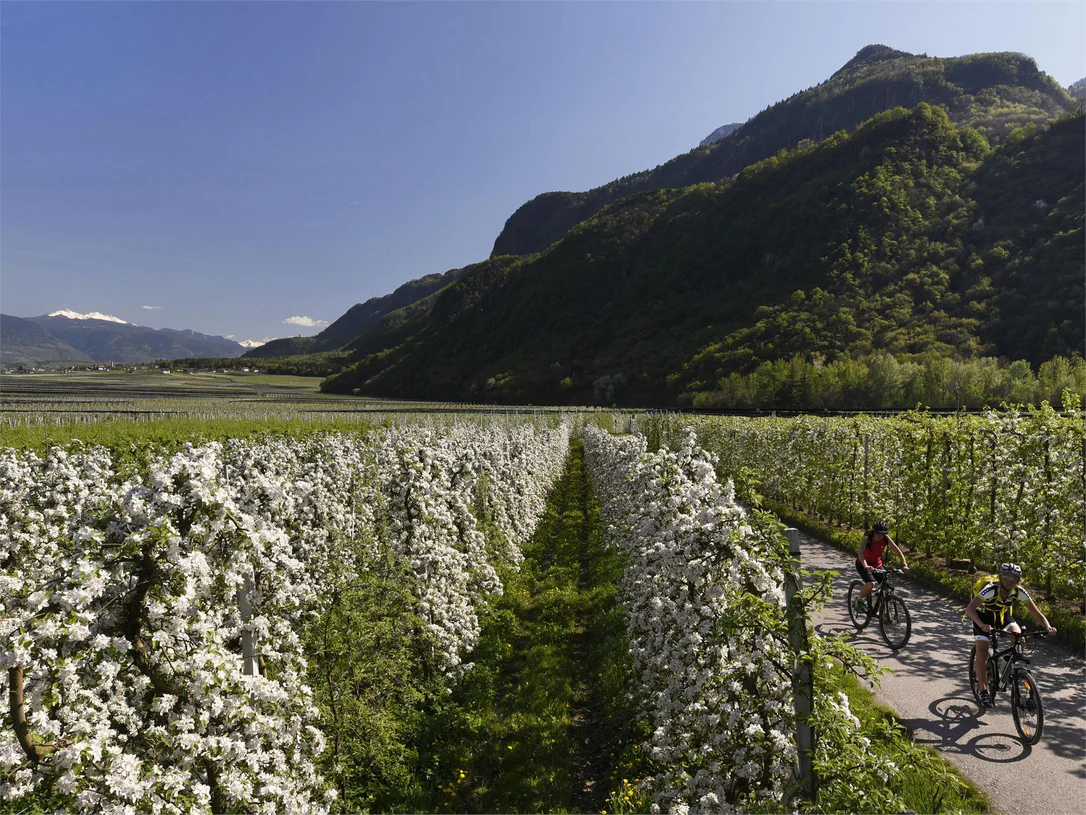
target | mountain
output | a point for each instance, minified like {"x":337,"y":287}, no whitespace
{"x":281,"y":347}
{"x":24,"y":342}
{"x":92,"y":315}
{"x":994,"y":93}
{"x":1078,"y":89}
{"x":910,"y":236}
{"x":359,"y":320}
{"x":103,"y":338}
{"x":719,"y":133}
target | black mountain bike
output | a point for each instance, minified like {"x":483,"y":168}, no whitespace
{"x":883,"y":602}
{"x":1009,"y":668}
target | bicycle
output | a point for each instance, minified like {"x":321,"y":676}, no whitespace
{"x":895,"y":624}
{"x":1006,"y":668}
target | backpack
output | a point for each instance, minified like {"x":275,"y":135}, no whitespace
{"x":983,"y":581}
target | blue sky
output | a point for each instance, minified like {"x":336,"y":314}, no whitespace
{"x":233,"y":165}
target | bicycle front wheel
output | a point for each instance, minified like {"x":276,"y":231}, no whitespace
{"x":858,"y":610}
{"x":1029,"y":712}
{"x":895,"y":625}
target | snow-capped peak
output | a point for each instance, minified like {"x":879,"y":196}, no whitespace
{"x":251,"y":343}
{"x":93,"y":315}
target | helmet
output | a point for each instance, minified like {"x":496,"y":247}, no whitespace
{"x":1010,"y":570}
{"x":880,"y":526}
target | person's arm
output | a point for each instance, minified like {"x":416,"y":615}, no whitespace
{"x":901,"y":557}
{"x":971,"y":612}
{"x":1036,"y":612}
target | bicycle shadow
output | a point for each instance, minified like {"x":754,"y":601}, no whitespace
{"x":953,"y":727}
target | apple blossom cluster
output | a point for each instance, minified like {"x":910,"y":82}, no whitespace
{"x":704,"y":607}
{"x":127,"y":600}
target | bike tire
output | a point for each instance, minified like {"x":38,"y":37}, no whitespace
{"x":1028,"y":711}
{"x":858,"y":619}
{"x":895,"y":624}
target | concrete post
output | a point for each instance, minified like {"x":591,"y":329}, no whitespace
{"x":802,"y":680}
{"x":249,"y":655}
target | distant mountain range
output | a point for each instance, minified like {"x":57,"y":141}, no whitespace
{"x":69,"y":336}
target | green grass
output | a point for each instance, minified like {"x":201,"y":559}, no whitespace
{"x":120,"y":433}
{"x":543,"y":714}
{"x":927,"y":782}
{"x":309,"y":383}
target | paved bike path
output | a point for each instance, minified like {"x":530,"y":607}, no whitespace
{"x":929,"y":690}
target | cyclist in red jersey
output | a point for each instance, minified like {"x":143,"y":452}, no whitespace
{"x":869,"y":558}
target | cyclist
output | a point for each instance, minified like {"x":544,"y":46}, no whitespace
{"x":869,"y":558}
{"x":993,"y":607}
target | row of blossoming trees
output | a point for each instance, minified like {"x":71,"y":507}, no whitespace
{"x":150,"y":617}
{"x":1007,"y":485}
{"x":712,"y":665}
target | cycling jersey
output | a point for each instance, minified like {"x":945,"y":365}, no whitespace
{"x":873,"y":551}
{"x":1000,"y":609}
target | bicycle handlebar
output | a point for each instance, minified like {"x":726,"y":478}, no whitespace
{"x":1035,"y":633}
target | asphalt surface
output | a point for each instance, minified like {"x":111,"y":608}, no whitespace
{"x":929,"y":690}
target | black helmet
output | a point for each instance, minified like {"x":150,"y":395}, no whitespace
{"x":880,"y":526}
{"x":1011,"y":570}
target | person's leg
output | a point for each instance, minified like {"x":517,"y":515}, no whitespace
{"x":980,"y":667}
{"x":980,"y":671}
{"x":865,"y":576}
{"x":877,"y":577}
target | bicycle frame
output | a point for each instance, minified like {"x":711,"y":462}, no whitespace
{"x":1013,"y":655}
{"x":884,"y":604}
{"x":882,"y":591}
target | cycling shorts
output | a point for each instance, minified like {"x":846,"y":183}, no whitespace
{"x":989,"y":618}
{"x":867,"y":577}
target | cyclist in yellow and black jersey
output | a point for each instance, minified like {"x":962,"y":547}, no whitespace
{"x":993,"y":607}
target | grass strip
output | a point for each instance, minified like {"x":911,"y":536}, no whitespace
{"x":926,"y":781}
{"x":541,"y":722}
{"x":121,"y":434}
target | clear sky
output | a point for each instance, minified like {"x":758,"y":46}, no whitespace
{"x":227,"y":166}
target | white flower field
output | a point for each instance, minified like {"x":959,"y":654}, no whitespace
{"x":151,"y":610}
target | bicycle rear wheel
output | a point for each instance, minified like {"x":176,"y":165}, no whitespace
{"x":858,"y":609}
{"x":895,"y":625}
{"x":1026,"y":706}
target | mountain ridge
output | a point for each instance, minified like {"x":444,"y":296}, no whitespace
{"x":88,"y":337}
{"x":877,"y":78}
{"x":911,"y":216}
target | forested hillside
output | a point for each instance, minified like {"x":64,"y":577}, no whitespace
{"x":911,"y":237}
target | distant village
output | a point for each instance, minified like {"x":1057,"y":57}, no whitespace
{"x":162,"y":366}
